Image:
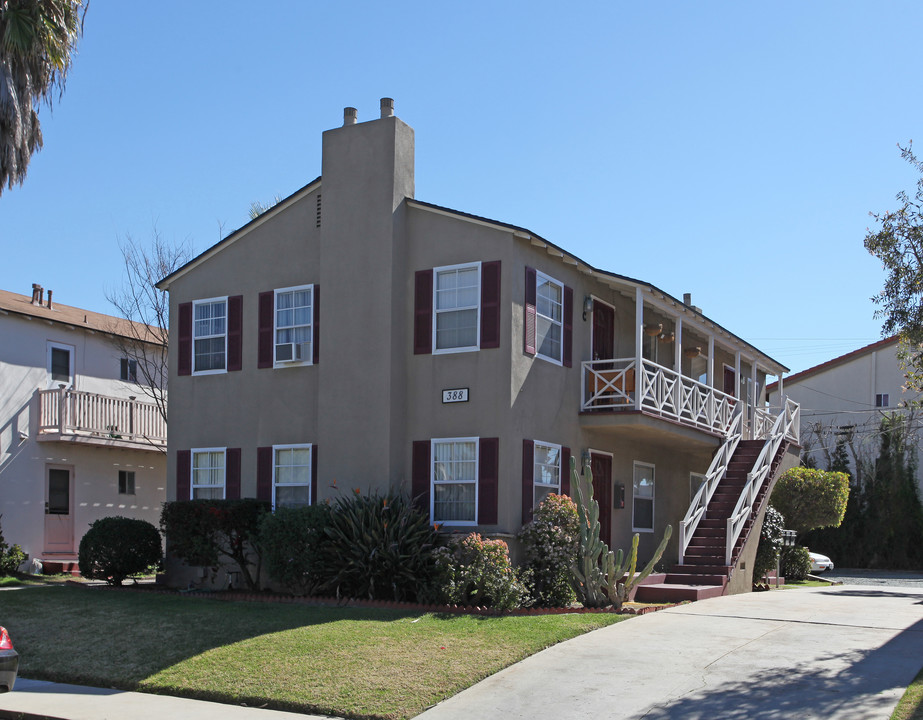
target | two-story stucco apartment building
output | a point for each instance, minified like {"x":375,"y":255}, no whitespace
{"x":355,"y":337}
{"x":77,"y":440}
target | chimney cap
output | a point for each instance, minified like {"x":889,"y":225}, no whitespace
{"x":387,"y":107}
{"x":350,"y":115}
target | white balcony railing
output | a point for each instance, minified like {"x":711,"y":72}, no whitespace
{"x":619,"y":385}
{"x":73,"y":412}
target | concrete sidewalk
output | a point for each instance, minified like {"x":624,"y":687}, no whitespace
{"x":33,"y":700}
{"x":839,"y":652}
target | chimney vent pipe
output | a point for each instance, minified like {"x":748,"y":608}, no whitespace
{"x":49,"y":300}
{"x":387,"y":107}
{"x":349,"y":116}
{"x":687,"y":299}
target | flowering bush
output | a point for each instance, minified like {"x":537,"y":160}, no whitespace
{"x":475,"y":571}
{"x":550,"y":546}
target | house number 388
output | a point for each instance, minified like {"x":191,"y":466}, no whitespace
{"x":456,"y":395}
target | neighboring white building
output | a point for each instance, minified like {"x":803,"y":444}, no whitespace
{"x":77,"y":440}
{"x":847,"y":397}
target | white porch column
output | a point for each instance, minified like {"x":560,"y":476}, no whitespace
{"x":678,"y":347}
{"x":639,"y":338}
{"x":781,"y":392}
{"x":710,"y":367}
{"x":753,"y":389}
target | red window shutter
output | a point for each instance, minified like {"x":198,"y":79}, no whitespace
{"x":530,"y":311}
{"x":232,"y":474}
{"x":568,"y":326}
{"x":490,"y":304}
{"x":184,"y":363}
{"x":423,"y":312}
{"x":315,"y":329}
{"x":183,"y":471}
{"x":565,"y":471}
{"x":528,"y":480}
{"x":488,"y":480}
{"x":420,"y":475}
{"x":264,"y":473}
{"x":266,"y":312}
{"x":314,"y":474}
{"x":235,"y":332}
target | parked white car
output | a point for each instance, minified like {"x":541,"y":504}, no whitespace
{"x":820,"y":563}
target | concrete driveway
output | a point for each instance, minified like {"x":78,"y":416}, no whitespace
{"x":840,"y":652}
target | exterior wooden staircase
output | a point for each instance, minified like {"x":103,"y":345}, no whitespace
{"x":705,"y":572}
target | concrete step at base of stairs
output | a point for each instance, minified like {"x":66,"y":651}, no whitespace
{"x":693,"y":569}
{"x":695,"y":579}
{"x":665,"y":593}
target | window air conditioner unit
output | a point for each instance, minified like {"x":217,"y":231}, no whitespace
{"x":289,"y":352}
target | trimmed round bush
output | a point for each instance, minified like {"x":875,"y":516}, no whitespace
{"x":293,"y":542}
{"x":116,"y":548}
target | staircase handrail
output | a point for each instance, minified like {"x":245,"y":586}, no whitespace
{"x":786,"y":425}
{"x":716,"y":470}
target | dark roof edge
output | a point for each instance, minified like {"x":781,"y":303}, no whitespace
{"x":871,"y":347}
{"x":616,"y":276}
{"x":164,"y":283}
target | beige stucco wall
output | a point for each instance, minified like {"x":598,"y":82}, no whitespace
{"x":24,"y":462}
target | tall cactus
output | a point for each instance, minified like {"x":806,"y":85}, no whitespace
{"x":599,"y":575}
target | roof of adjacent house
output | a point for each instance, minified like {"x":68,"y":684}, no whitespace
{"x":841,"y":360}
{"x":517,"y":230}
{"x":74,"y":317}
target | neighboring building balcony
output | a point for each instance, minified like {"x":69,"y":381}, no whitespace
{"x":613,"y":389}
{"x":89,"y":418}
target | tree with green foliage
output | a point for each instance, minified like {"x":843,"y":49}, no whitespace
{"x":898,"y":243}
{"x":809,"y":498}
{"x":38,"y":39}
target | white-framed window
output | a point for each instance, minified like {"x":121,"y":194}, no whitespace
{"x":291,"y":475}
{"x":546,"y":473}
{"x":456,"y":308}
{"x":209,"y":336}
{"x":126,"y":482}
{"x":208,"y":473}
{"x":293,"y":326}
{"x":642,"y":513}
{"x":128,"y":370}
{"x":454,"y":496}
{"x":696,"y":480}
{"x":549,"y":318}
{"x":883,"y":400}
{"x":60,"y":364}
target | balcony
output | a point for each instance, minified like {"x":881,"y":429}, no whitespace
{"x":639,"y":385}
{"x":102,"y":420}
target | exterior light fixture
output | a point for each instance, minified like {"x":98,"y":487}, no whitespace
{"x":587,"y":306}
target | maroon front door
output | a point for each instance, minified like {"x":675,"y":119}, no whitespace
{"x":729,"y":377}
{"x":603,"y":331}
{"x":601,"y":466}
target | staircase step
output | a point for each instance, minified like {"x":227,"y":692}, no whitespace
{"x":695,"y":579}
{"x":664,"y":592}
{"x":693,"y":569}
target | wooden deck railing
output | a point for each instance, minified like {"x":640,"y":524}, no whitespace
{"x":73,"y":412}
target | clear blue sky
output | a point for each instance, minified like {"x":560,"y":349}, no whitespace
{"x":731,"y":150}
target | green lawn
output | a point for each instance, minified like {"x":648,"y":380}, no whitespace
{"x":353,"y":662}
{"x":911,"y":705}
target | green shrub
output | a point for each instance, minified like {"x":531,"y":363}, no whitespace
{"x":475,"y":571}
{"x":207,"y":532}
{"x":809,"y":498}
{"x":10,"y":557}
{"x":550,"y":546}
{"x":770,"y":543}
{"x":379,"y":547}
{"x":795,"y":563}
{"x":116,"y":548}
{"x":293,"y":542}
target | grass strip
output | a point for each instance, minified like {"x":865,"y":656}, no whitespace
{"x":911,"y":705}
{"x":353,"y":662}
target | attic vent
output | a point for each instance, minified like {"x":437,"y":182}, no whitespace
{"x":317,"y":222}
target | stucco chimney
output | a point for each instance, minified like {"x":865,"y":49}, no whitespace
{"x":349,"y":116}
{"x":687,"y":299}
{"x":387,"y":107}
{"x":49,"y":300}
